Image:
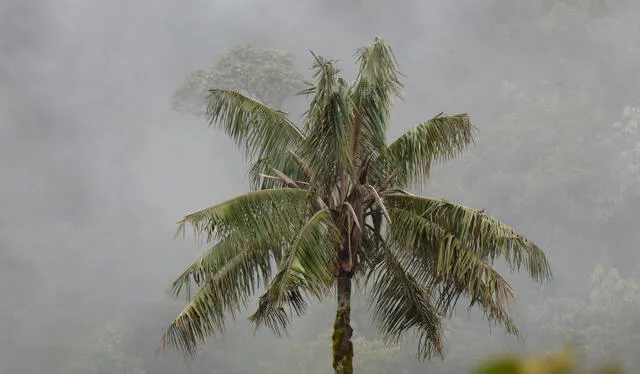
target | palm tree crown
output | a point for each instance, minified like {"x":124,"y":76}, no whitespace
{"x":329,"y":204}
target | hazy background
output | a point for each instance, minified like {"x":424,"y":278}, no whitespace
{"x":96,"y":167}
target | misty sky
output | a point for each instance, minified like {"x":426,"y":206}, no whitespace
{"x":92,"y":154}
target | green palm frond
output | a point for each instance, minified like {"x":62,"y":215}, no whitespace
{"x":266,"y":215}
{"x":260,"y":130}
{"x":410,"y":157}
{"x":470,"y":276}
{"x":276,"y":318}
{"x":327,"y":126}
{"x":399,"y":304}
{"x":372,"y":94}
{"x":303,"y":271}
{"x":217,"y":257}
{"x":253,"y":230}
{"x":229,"y":273}
{"x":442,"y":262}
{"x":482,"y":234}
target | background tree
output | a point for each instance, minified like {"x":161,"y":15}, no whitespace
{"x":269,"y":75}
{"x":21,"y":286}
{"x":329,"y":207}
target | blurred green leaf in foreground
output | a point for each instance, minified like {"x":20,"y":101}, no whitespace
{"x":561,"y":362}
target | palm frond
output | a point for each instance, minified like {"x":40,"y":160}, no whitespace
{"x":470,"y":276}
{"x":229,"y":274}
{"x":303,"y":271}
{"x":442,"y":262}
{"x":258,"y":129}
{"x":262,"y":175}
{"x":379,"y":202}
{"x":327,"y":126}
{"x":276,"y":318}
{"x":482,"y":234}
{"x":209,"y":264}
{"x":399,"y":303}
{"x":266,"y":215}
{"x":410,"y":157}
{"x":372,"y":94}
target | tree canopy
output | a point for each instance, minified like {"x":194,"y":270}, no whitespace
{"x":269,"y":75}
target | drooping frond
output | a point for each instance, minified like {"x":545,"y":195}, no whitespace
{"x":442,"y":262}
{"x":482,"y":234}
{"x":399,"y":304}
{"x":253,"y":229}
{"x":471,"y":276}
{"x":207,"y":266}
{"x":327,"y":126}
{"x":372,"y":94}
{"x":260,"y":130}
{"x":265,"y":215}
{"x":276,"y":318}
{"x":303,"y":271}
{"x":410,"y":157}
{"x":229,"y":274}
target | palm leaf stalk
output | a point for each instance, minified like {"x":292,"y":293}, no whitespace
{"x":328,"y":207}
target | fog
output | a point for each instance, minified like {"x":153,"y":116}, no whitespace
{"x":96,"y":167}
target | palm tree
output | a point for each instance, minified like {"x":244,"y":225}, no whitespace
{"x":329,"y":208}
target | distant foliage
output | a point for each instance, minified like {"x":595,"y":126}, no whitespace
{"x":627,"y":139}
{"x":107,"y":355}
{"x":604,"y":325}
{"x":269,"y":75}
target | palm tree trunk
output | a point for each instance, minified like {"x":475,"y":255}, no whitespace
{"x":342,"y":331}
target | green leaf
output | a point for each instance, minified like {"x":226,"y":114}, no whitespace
{"x":266,"y":215}
{"x":400,"y":304}
{"x":410,"y":157}
{"x":303,"y":270}
{"x":484,"y":235}
{"x":437,"y":259}
{"x":260,"y":130}
{"x":327,"y":125}
{"x":231,"y":275}
{"x":372,"y":94}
